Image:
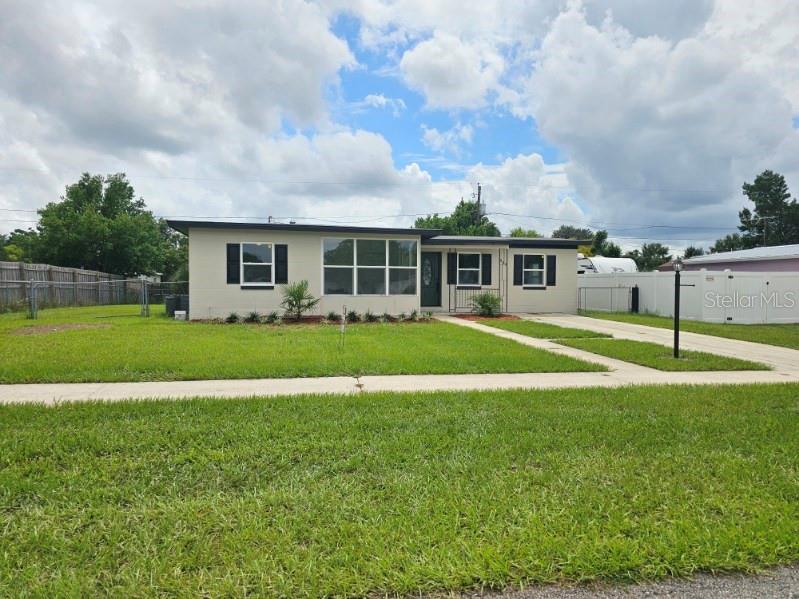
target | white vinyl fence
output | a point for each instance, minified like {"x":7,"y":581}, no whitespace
{"x":712,"y":296}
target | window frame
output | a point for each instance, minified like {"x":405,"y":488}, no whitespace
{"x":479,"y":269}
{"x":542,"y":270}
{"x":271,"y":264}
{"x":354,"y":266}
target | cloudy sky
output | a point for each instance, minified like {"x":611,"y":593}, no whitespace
{"x":640,"y":117}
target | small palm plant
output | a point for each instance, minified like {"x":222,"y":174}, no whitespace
{"x":297,"y":299}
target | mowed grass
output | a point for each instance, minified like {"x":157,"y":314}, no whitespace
{"x":132,"y":348}
{"x":659,"y":356}
{"x":784,"y":335}
{"x":396,"y":494}
{"x":542,"y":330}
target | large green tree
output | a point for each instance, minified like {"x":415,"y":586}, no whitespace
{"x":99,"y":224}
{"x":650,"y":256}
{"x":775,"y":218}
{"x":729,"y":243}
{"x":19,"y":246}
{"x":692,"y":251}
{"x":600,"y":246}
{"x":522,"y":232}
{"x":571,"y":232}
{"x":464,"y":220}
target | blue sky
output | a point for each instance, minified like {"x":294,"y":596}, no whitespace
{"x":497,"y":134}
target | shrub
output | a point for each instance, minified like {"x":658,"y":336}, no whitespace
{"x":426,"y":316}
{"x":369,"y":316}
{"x":232,"y":318}
{"x":353,"y":316}
{"x":387,"y":317}
{"x":252,"y":317}
{"x":401,"y":316}
{"x":297,"y":299}
{"x":486,"y":304}
{"x":272,"y":317}
{"x":414,"y":315}
{"x":333,"y":316}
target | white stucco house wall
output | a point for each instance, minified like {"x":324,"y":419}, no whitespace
{"x":240,"y":267}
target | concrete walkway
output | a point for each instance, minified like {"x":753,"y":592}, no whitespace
{"x":780,"y":358}
{"x":784,"y":361}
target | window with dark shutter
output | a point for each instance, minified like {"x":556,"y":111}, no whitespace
{"x":452,"y":268}
{"x":281,"y":264}
{"x":551,"y":270}
{"x":517,"y":269}
{"x":233,"y":255}
{"x":486,"y":280}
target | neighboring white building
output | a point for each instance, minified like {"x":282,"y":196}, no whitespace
{"x":239,"y":267}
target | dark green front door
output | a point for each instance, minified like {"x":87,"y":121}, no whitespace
{"x":431,"y":279}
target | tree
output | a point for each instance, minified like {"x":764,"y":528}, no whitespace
{"x":650,"y":256}
{"x":464,"y":220}
{"x":570,"y":232}
{"x":175,"y":253}
{"x":730,"y":243}
{"x":100,"y":225}
{"x":522,"y":232}
{"x":775,"y":220}
{"x":19,"y":246}
{"x":692,"y":251}
{"x":600,"y":246}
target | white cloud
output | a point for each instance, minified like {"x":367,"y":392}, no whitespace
{"x":395,"y":105}
{"x":449,"y":140}
{"x":656,"y":131}
{"x":452,"y":73}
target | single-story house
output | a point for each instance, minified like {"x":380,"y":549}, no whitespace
{"x":775,"y":258}
{"x":240,"y":267}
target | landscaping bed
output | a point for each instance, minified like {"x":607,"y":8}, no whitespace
{"x":396,"y":494}
{"x":479,"y":318}
{"x":659,"y":356}
{"x":134,"y":348}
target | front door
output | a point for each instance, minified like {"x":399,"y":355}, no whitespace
{"x":431,"y":279}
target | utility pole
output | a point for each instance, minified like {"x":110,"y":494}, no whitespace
{"x":479,"y":211}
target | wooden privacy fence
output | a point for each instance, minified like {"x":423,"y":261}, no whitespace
{"x":57,"y":286}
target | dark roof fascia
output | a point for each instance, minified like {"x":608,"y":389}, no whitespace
{"x":509,"y":241}
{"x":183,"y":226}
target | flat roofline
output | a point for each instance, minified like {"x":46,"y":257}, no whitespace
{"x":511,"y":242}
{"x":183,"y":226}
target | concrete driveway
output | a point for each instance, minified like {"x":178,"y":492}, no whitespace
{"x":782,"y":359}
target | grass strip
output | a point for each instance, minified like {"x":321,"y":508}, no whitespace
{"x":659,"y":356}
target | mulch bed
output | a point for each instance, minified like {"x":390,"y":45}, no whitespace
{"x":478,"y":317}
{"x":46,"y":329}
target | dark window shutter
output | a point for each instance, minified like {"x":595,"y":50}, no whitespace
{"x":517,"y":269}
{"x":281,"y":264}
{"x":452,"y":268}
{"x":233,"y":255}
{"x":551,"y":270}
{"x":486,"y":270}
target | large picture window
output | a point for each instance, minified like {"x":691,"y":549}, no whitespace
{"x":469,"y":270}
{"x":369,"y":266}
{"x":533,"y":274}
{"x":257,"y":264}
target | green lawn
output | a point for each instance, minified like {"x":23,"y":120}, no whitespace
{"x":659,"y":356}
{"x":132,"y":348}
{"x":785,"y":335}
{"x":542,"y":330}
{"x":384,"y":494}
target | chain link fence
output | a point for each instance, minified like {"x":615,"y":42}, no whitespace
{"x":35,"y":287}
